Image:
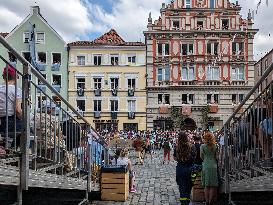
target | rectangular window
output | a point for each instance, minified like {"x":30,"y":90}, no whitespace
{"x":163,"y":49}
{"x":114,"y":105}
{"x":42,"y":57}
{"x":56,"y":79}
{"x":81,"y":105}
{"x":265,"y":64}
{"x":234,"y":98}
{"x":97,"y":105}
{"x":81,"y":60}
{"x":114,"y":59}
{"x":57,"y":58}
{"x":188,"y":4}
{"x":131,"y":105}
{"x":27,"y":56}
{"x":40,"y":82}
{"x":176,"y":25}
{"x":212,"y":48}
{"x":241,"y":97}
{"x":80,"y":83}
{"x":40,"y":38}
{"x":212,"y":98}
{"x":237,"y":48}
{"x":200,"y":25}
{"x":163,"y":74}
{"x":187,"y":49}
{"x":97,"y":59}
{"x":25,"y":37}
{"x":213,"y":73}
{"x":132,"y":58}
{"x":225,"y":24}
{"x":159,"y":74}
{"x":164,"y":99}
{"x":188,"y":73}
{"x":238,"y":73}
{"x":12,"y":58}
{"x":212,"y":4}
{"x":114,"y":83}
{"x":187,"y":98}
{"x":97,"y":83}
{"x":131,"y":83}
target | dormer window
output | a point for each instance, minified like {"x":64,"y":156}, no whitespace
{"x":176,"y":25}
{"x":225,"y":24}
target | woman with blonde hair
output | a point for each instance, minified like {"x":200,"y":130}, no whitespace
{"x":184,"y":154}
{"x":209,"y":174}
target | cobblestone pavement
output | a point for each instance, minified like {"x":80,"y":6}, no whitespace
{"x":155,"y":183}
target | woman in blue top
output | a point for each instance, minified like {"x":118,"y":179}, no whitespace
{"x":184,"y":154}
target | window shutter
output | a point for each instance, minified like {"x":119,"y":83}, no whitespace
{"x":89,"y":58}
{"x":106,"y":59}
{"x":141,"y":59}
{"x":123,"y":59}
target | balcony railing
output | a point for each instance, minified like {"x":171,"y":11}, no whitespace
{"x":131,"y":115}
{"x":97,"y":92}
{"x":41,"y":66}
{"x":57,"y":87}
{"x":131,"y":92}
{"x":80,"y":92}
{"x":114,"y":115}
{"x":96,"y":114}
{"x":114,"y":92}
{"x":41,"y":88}
{"x":55,"y":67}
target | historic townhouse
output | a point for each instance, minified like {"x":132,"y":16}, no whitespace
{"x":199,"y":62}
{"x":260,"y":68}
{"x":51,"y":53}
{"x":107,"y":82}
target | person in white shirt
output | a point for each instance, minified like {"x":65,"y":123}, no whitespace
{"x":10,"y":105}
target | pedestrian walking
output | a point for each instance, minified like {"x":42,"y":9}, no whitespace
{"x":167,"y":150}
{"x":184,"y":154}
{"x":209,"y":174}
{"x":138,"y":145}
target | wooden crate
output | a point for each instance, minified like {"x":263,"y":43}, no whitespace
{"x":197,"y":193}
{"x":114,"y":186}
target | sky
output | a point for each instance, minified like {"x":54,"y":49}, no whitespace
{"x":88,"y":19}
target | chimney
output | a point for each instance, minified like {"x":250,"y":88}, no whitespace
{"x":35,"y":10}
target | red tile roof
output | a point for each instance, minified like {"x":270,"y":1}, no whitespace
{"x":4,"y":34}
{"x":111,"y":38}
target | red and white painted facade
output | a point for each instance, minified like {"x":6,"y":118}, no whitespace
{"x":198,"y":48}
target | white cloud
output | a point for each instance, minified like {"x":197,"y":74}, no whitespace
{"x":68,"y":17}
{"x":74,"y":19}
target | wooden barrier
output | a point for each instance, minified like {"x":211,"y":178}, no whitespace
{"x":197,"y":192}
{"x":114,"y":186}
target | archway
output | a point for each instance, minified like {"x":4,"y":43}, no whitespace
{"x":189,"y":124}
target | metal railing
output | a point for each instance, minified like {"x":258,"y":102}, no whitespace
{"x":247,"y":135}
{"x":45,"y":132}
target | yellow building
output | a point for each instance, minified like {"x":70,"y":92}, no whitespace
{"x":107,"y":82}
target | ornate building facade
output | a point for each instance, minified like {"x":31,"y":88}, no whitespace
{"x":199,"y":63}
{"x":106,"y":82}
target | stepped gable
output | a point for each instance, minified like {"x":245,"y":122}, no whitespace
{"x":4,"y":34}
{"x":111,"y":38}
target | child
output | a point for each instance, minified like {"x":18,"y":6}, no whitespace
{"x":124,"y":160}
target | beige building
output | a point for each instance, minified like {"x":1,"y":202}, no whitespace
{"x":107,"y":82}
